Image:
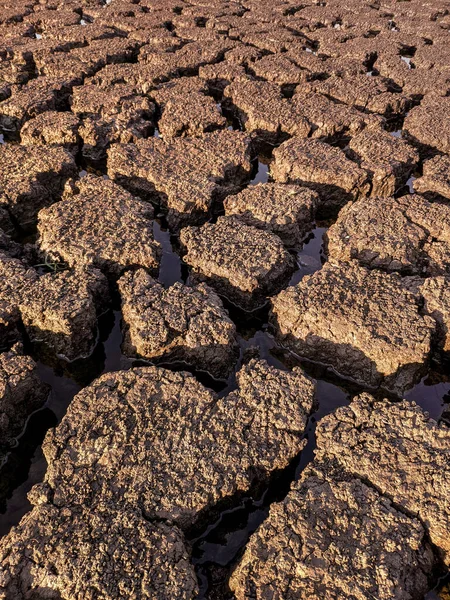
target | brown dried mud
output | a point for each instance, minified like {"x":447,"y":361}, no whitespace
{"x":253,"y":197}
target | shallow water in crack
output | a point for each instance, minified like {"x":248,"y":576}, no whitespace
{"x":170,"y":271}
{"x":217,"y":548}
{"x":262,"y":173}
{"x":223,"y":541}
{"x":311,"y":257}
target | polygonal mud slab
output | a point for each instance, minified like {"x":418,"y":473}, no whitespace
{"x":186,"y":175}
{"x":38,"y":96}
{"x":61,"y":310}
{"x":363,"y":323}
{"x":159,"y":441}
{"x":239,"y":261}
{"x":31,"y":179}
{"x":261,"y":109}
{"x":188,"y":59}
{"x":321,"y":167}
{"x":15,"y":279}
{"x":436,"y":297}
{"x":435,"y":182}
{"x":185,"y":109}
{"x":21,"y":392}
{"x":428,"y":125}
{"x":112,"y":114}
{"x":286,"y":210}
{"x":220,"y":75}
{"x":319,"y":542}
{"x":372,"y":94}
{"x":407,"y":234}
{"x":52,"y":129}
{"x":118,"y":554}
{"x":330,"y":119}
{"x":400,"y":451}
{"x":279,"y":69}
{"x":388,"y":159}
{"x":181,"y":323}
{"x":100,"y":225}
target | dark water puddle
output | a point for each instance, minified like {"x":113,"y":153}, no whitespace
{"x":432,"y":396}
{"x":410,"y":184}
{"x":311,"y":257}
{"x":171,"y":266}
{"x":262,"y":173}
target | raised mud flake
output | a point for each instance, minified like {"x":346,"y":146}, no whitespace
{"x":319,"y":542}
{"x":363,"y":323}
{"x":15,"y":278}
{"x":157,"y":39}
{"x":159,"y":441}
{"x":420,"y":82}
{"x":38,"y":96}
{"x":74,"y":36}
{"x":368,"y":231}
{"x":181,"y":323}
{"x":63,"y":66}
{"x":119,"y":554}
{"x":31,"y":179}
{"x":400,"y":451}
{"x":279,"y":69}
{"x":47,"y":17}
{"x":436,"y":294}
{"x":428,"y":125}
{"x":101,"y":226}
{"x":21,"y":392}
{"x":106,"y":52}
{"x":329,"y":119}
{"x":243,"y":55}
{"x":111,"y":114}
{"x":366,"y":93}
{"x":186,"y":109}
{"x":117,"y":101}
{"x":61,"y":311}
{"x":141,"y":77}
{"x":219,"y":75}
{"x":188,"y":59}
{"x":390,"y":160}
{"x":323,"y":168}
{"x":435,"y":182}
{"x":239,"y":261}
{"x":186,"y":175}
{"x":274,"y":38}
{"x":286,"y":210}
{"x":52,"y":129}
{"x":262,"y":109}
{"x":434,"y":57}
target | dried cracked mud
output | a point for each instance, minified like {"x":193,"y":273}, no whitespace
{"x":224,"y":300}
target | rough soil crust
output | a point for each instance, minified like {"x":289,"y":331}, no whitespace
{"x":363,"y":323}
{"x":228,"y":189}
{"x":137,"y":449}
{"x":182,"y":323}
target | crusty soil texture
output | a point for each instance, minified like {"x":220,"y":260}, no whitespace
{"x":225,"y":277}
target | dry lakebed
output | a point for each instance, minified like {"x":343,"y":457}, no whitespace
{"x":224,"y":299}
